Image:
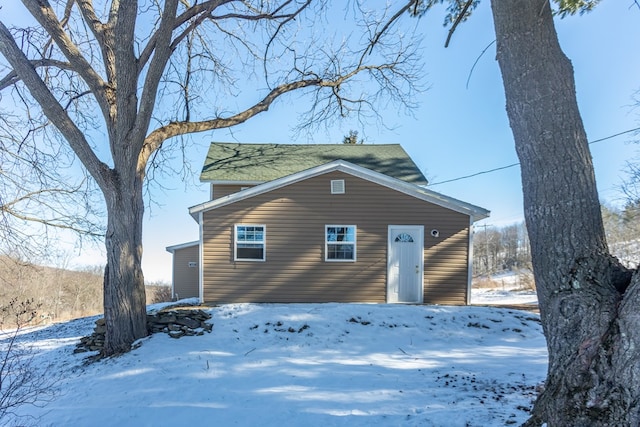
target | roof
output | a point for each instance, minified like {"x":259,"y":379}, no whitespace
{"x":257,"y":163}
{"x":175,"y":248}
{"x":475,"y":213}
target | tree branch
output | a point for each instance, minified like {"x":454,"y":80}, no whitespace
{"x":162,"y":53}
{"x":63,"y":223}
{"x":51,"y":107}
{"x":44,"y":14}
{"x":103,"y":34}
{"x":457,"y":21}
{"x":92,"y":20}
{"x":390,"y":22}
{"x":203,"y":9}
{"x":158,"y":136}
{"x":12,"y":78}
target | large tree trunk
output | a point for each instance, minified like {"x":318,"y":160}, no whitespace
{"x":124,"y":293}
{"x":587,"y":299}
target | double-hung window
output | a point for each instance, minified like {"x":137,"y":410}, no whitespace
{"x":249,"y":242}
{"x":340,"y":243}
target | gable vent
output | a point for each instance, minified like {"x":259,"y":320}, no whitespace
{"x":337,"y":186}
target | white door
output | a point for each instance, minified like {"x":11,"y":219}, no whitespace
{"x":405,"y":265}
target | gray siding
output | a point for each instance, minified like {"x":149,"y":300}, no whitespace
{"x":185,"y":278}
{"x":295,"y":269}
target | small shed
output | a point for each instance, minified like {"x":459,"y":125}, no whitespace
{"x":185,"y":280}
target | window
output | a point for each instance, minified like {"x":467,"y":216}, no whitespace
{"x":340,"y":243}
{"x":404,"y":238}
{"x":249,"y":243}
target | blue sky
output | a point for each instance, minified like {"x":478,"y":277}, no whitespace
{"x":457,"y":130}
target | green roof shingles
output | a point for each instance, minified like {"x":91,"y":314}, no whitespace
{"x":233,"y":162}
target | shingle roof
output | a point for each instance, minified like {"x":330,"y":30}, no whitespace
{"x":233,"y":162}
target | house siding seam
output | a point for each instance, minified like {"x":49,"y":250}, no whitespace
{"x":295,"y":270}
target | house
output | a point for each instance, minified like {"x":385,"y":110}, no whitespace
{"x":324,"y":223}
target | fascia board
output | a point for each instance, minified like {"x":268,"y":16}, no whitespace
{"x":174,"y":248}
{"x":477,"y":213}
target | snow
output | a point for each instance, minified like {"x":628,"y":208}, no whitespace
{"x":503,"y":297}
{"x":305,"y":364}
{"x":509,"y":288}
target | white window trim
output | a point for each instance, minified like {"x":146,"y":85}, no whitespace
{"x":264,"y":243}
{"x":355,"y":243}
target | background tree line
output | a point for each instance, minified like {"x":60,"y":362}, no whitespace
{"x":500,"y":249}
{"x":60,"y":294}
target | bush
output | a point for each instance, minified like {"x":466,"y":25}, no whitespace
{"x":21,"y":382}
{"x":158,"y":293}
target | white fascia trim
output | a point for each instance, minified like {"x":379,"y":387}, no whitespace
{"x":475,"y":212}
{"x":201,"y":260}
{"x":174,"y":248}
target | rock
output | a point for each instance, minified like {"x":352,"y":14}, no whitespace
{"x":189,"y":322}
{"x":176,"y":334}
{"x":175,"y":321}
{"x":166,"y":319}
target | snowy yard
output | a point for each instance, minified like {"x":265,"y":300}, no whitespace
{"x":308,"y":365}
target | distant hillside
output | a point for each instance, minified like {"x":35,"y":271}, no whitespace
{"x":61,"y":294}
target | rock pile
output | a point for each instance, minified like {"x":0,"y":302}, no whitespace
{"x":179,"y":322}
{"x":176,"y":322}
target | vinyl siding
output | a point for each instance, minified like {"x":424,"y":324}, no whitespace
{"x":221,"y":190}
{"x":295,"y":270}
{"x":185,"y":278}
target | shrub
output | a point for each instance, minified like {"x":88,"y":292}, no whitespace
{"x":21,"y":382}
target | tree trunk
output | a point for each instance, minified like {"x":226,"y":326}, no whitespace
{"x":124,"y":293}
{"x":587,"y":299}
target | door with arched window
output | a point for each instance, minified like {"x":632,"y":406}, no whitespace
{"x":405,"y":264}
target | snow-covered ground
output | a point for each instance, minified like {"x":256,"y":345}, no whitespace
{"x":503,"y":297}
{"x":508,"y":288}
{"x":305,"y":365}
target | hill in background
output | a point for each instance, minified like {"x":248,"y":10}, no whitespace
{"x":61,"y":294}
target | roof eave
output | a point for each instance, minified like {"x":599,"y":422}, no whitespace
{"x":174,"y":248}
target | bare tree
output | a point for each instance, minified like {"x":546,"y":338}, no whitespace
{"x":588,"y":299}
{"x":120,"y":79}
{"x":39,"y":197}
{"x":496,"y":249}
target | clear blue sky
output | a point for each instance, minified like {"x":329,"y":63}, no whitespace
{"x":457,"y":130}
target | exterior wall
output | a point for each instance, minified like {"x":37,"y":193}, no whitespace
{"x":295,"y":269}
{"x":221,"y":190}
{"x":185,"y":278}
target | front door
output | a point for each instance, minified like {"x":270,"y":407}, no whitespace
{"x":405,"y":265}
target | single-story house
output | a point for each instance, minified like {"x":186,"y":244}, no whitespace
{"x":324,"y":223}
